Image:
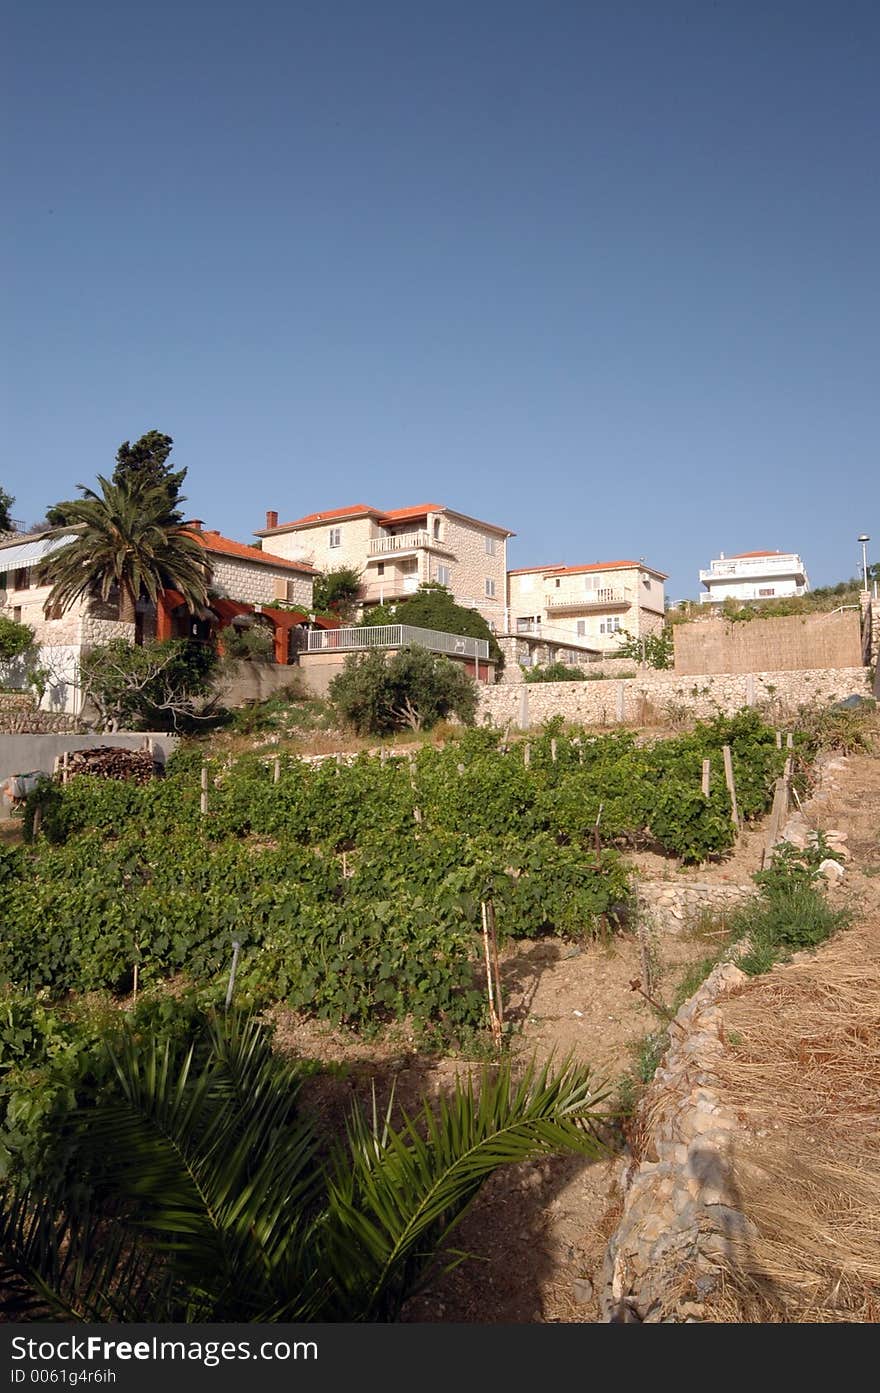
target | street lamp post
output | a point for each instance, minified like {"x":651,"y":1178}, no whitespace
{"x":864,"y":541}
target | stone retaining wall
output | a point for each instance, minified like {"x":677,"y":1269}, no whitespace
{"x":670,"y":907}
{"x":665,"y":696}
{"x":680,"y":1222}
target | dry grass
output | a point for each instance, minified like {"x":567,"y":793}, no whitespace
{"x":806,"y":1081}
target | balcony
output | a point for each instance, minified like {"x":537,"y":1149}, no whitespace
{"x":605,"y":600}
{"x":750,"y":568}
{"x":391,"y":587}
{"x":396,"y":542}
{"x":395,"y":636}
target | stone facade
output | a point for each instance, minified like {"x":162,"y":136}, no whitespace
{"x":565,"y":613}
{"x":257,"y":584}
{"x":665,"y":695}
{"x":794,"y":642}
{"x":396,"y":555}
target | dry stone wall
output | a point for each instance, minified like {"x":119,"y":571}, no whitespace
{"x":643,"y":699}
{"x":668,"y":907}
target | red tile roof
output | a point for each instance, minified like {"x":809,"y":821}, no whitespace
{"x":596,"y":566}
{"x":225,"y":546}
{"x":354,"y":510}
{"x":399,"y":514}
{"x":743,"y":555}
{"x":383,"y":517}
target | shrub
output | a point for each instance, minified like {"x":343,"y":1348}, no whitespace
{"x":377,"y":694}
{"x":253,"y":643}
{"x":554,"y":672}
{"x":15,"y":639}
{"x":159,"y":686}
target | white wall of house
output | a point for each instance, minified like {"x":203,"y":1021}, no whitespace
{"x":260,"y":584}
{"x":773,"y":576}
{"x":587,"y":609}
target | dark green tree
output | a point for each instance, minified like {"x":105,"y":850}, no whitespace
{"x":336,"y":592}
{"x":6,"y":502}
{"x":376,"y":693}
{"x":146,"y":463}
{"x":433,"y":607}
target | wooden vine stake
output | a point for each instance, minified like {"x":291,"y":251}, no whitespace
{"x":527,"y":755}
{"x":779,"y":739}
{"x":417,"y":812}
{"x":276,"y":770}
{"x":596,"y":838}
{"x":731,"y":786}
{"x":707,"y":774}
{"x":553,"y":748}
{"x":493,"y":976}
{"x":203,"y":799}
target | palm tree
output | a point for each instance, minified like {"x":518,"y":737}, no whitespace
{"x":206,"y":1198}
{"x":127,"y":536}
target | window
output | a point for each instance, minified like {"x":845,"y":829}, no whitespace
{"x":335,"y":536}
{"x":54,"y":612}
{"x":557,"y":582}
{"x":2,"y":580}
{"x":444,"y":575}
{"x":380,"y":569}
{"x":490,"y":589}
{"x":21,"y":580}
{"x":490,"y":546}
{"x":16,"y":614}
{"x":610,"y":626}
{"x":763,"y":593}
{"x":436,"y":529}
{"x":581,"y":627}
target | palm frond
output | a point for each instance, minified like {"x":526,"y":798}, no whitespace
{"x":395,"y":1199}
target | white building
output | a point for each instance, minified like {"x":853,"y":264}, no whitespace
{"x":574,"y":614}
{"x":754,"y":575}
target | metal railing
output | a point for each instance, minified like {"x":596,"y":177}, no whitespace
{"x":588,"y":600}
{"x":396,"y":636}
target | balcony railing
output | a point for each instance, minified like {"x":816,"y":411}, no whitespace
{"x":390,"y":587}
{"x":404,"y":541}
{"x":748,"y":568}
{"x":589,"y":602}
{"x":396,"y":636}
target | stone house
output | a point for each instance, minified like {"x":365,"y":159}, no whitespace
{"x":246,"y":585}
{"x":396,"y":551}
{"x":577,"y":614}
{"x":754,"y":575}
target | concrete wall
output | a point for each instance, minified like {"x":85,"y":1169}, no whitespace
{"x":792,"y":643}
{"x":246,"y":681}
{"x":664,"y":694}
{"x":23,"y":754}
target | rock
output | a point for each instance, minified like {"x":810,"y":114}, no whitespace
{"x":582,"y":1291}
{"x":832,"y":871}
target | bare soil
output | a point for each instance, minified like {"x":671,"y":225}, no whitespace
{"x":538,"y":1232}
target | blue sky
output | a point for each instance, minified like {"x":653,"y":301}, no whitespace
{"x":604,"y":273}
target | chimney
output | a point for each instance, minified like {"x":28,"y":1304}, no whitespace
{"x":271,"y":519}
{"x":195,"y":523}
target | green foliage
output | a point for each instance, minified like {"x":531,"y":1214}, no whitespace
{"x":792,"y":912}
{"x":554,"y":672}
{"x":15,"y":639}
{"x":6,"y":502}
{"x":433,"y":607}
{"x":198,"y":1191}
{"x":337,"y":591}
{"x":376,"y":693}
{"x":253,"y":642}
{"x":145,"y":465}
{"x":154,"y":686}
{"x":657,"y":650}
{"x":836,"y":728}
{"x":128,"y":538}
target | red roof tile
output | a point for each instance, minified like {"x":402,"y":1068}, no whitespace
{"x":225,"y":546}
{"x":743,"y":555}
{"x":398,"y":514}
{"x":596,"y":566}
{"x":354,"y":510}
